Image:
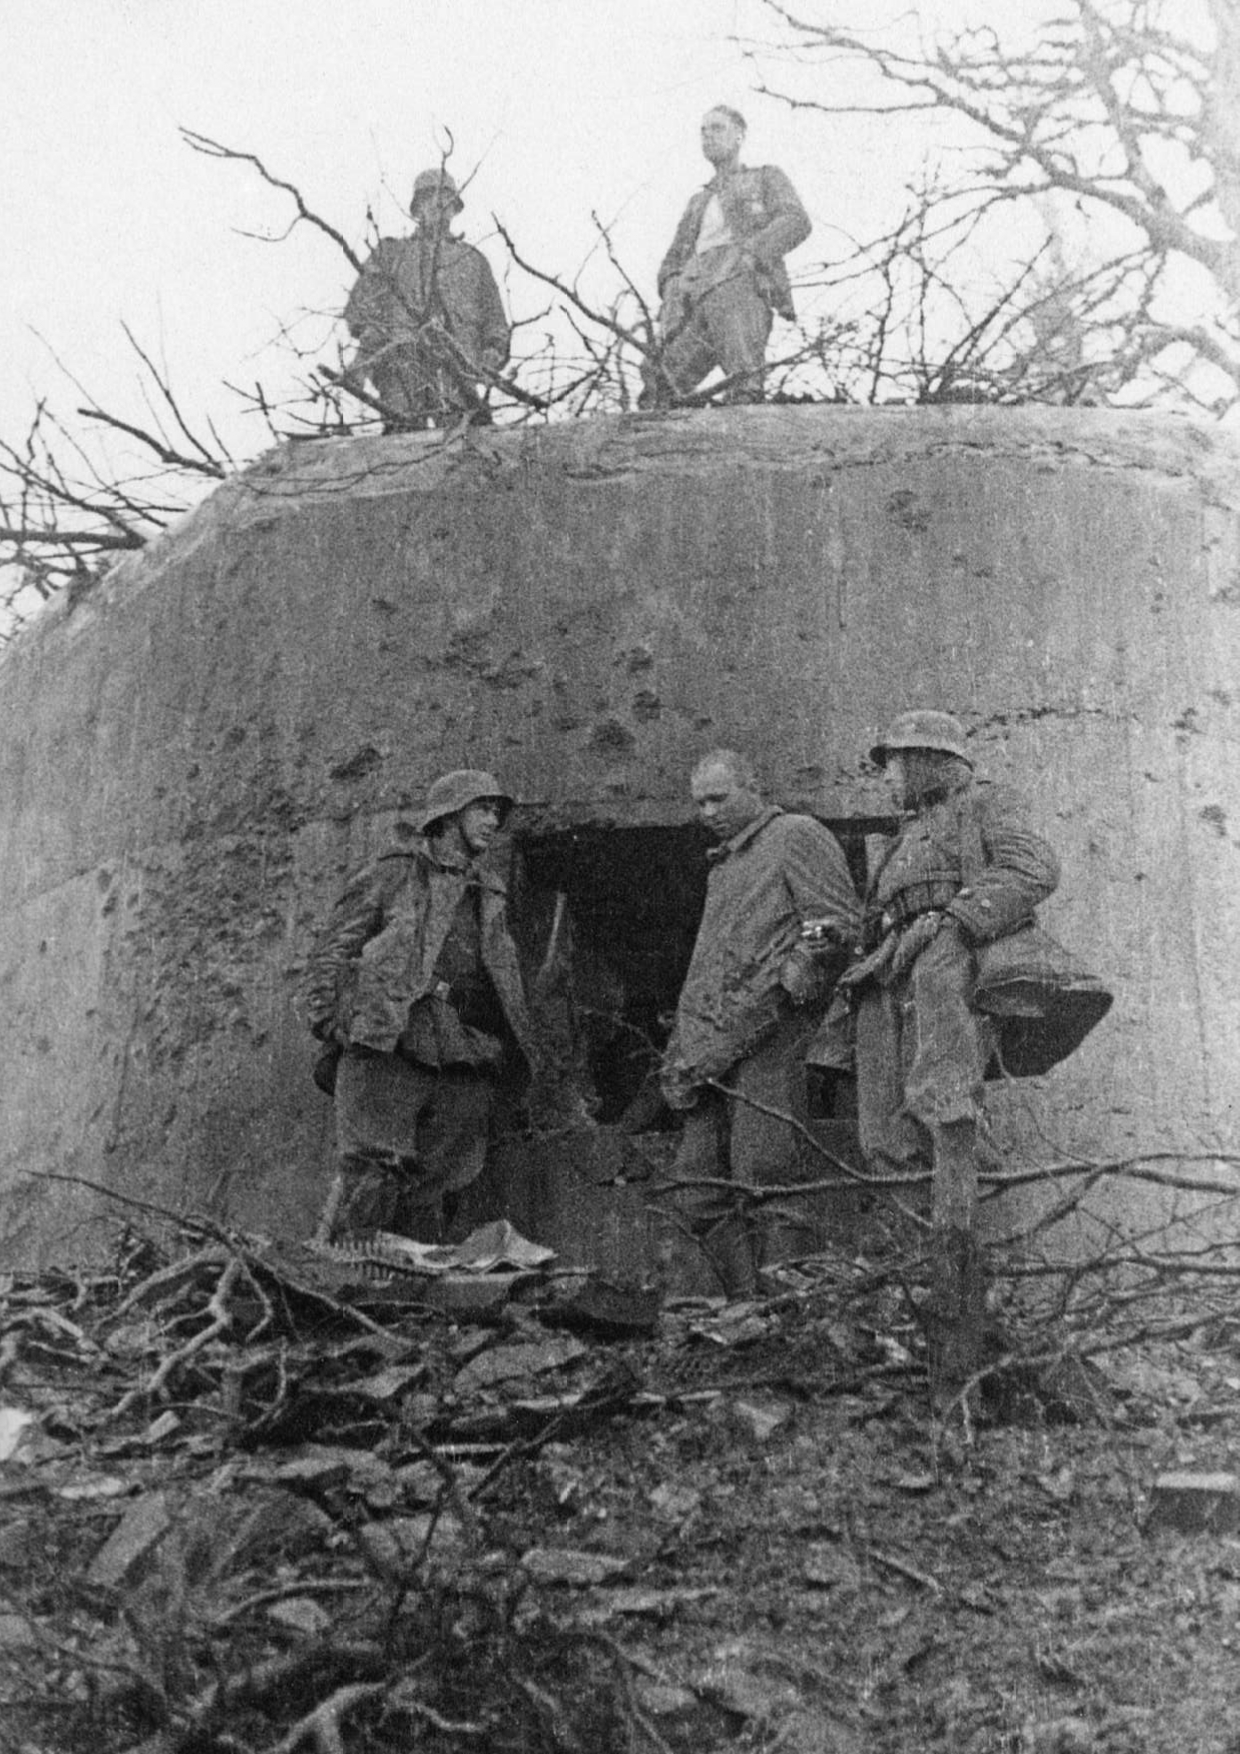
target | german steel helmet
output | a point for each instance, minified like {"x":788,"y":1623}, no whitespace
{"x":453,"y":791}
{"x":436,"y":182}
{"x":921,"y":730}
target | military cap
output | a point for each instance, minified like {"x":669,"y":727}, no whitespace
{"x":457,"y":790}
{"x":921,"y":730}
{"x":436,"y":182}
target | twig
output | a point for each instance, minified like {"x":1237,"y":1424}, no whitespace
{"x":221,"y":1321}
{"x":323,"y":1724}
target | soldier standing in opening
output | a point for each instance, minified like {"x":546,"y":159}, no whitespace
{"x":965,"y":868}
{"x":751,"y":999}
{"x":427,"y":316}
{"x":416,"y":979}
{"x":724,"y":274}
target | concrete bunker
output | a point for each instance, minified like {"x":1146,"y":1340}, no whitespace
{"x":194,"y":755}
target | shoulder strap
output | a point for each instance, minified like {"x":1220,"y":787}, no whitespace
{"x":972,"y":852}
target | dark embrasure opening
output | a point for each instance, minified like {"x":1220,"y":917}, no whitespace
{"x":634,"y":898}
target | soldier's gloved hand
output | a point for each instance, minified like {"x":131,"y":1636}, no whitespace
{"x":868,"y":967}
{"x":914,"y":939}
{"x":824,"y":933}
{"x":801,"y":974}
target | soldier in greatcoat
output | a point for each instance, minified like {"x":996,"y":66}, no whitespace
{"x":750,"y":1001}
{"x":416,"y":985}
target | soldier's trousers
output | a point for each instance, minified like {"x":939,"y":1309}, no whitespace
{"x":922,"y":1053}
{"x":745,"y":1138}
{"x":416,"y":390}
{"x":407,"y":1137}
{"x":727,"y":326}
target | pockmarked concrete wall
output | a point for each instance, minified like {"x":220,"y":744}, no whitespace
{"x":191,"y":757}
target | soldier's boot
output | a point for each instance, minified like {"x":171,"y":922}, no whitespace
{"x":783,"y":1236}
{"x":729,"y":1251}
{"x":957,"y":1308}
{"x":364,"y":1197}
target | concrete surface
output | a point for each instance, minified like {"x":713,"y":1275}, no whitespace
{"x":193,"y":755}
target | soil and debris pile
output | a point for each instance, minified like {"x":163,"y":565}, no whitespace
{"x":258,"y":1498}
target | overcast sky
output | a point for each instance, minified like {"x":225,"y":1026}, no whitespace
{"x":559,"y":107}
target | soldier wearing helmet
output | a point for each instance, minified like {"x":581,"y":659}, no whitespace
{"x":428,"y":317}
{"x":921,"y":1048}
{"x":415,"y":988}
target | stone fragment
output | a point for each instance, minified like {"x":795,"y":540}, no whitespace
{"x":400,"y":1542}
{"x":1060,"y":1735}
{"x":662,"y":1698}
{"x":613,"y":1311}
{"x":141,"y":1528}
{"x":762,"y":1421}
{"x":1194,"y":1504}
{"x":565,"y":1566}
{"x":14,"y":1422}
{"x":17,"y":1633}
{"x":302,"y":1613}
{"x":506,"y":1363}
{"x":657,"y":1604}
{"x":675,"y":1500}
{"x":827,"y":1566}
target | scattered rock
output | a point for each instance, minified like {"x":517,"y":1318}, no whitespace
{"x":1193,"y":1504}
{"x":1061,"y":1735}
{"x":828,"y":1566}
{"x":662,"y":1698}
{"x":16,"y":1633}
{"x":657,"y":1604}
{"x":139,"y":1531}
{"x":506,"y":1363}
{"x":676,"y":1501}
{"x":302,"y":1614}
{"x":762,"y":1421}
{"x":577,"y":1570}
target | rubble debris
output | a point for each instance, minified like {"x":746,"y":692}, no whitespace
{"x":333,"y":1523}
{"x":563,"y":1566}
{"x":1193,"y":1504}
{"x":14,"y":1424}
{"x":141,"y":1528}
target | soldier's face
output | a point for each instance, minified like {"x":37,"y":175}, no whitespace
{"x":436,"y":211}
{"x":479,"y":824}
{"x":721,"y":138}
{"x":724,"y":806}
{"x":896,"y":775}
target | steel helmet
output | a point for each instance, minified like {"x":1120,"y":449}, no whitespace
{"x":453,"y":791}
{"x":436,"y":182}
{"x":921,"y":730}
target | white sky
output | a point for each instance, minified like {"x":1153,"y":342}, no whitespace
{"x":562,"y":105}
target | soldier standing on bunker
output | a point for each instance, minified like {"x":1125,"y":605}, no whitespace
{"x":751,"y":999}
{"x":416,"y":981}
{"x":427,"y":316}
{"x":965,"y":868}
{"x":724,"y":275}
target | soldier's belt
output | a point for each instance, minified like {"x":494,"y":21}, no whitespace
{"x":917,"y":899}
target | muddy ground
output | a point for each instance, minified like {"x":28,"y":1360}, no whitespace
{"x":260,"y":1499}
